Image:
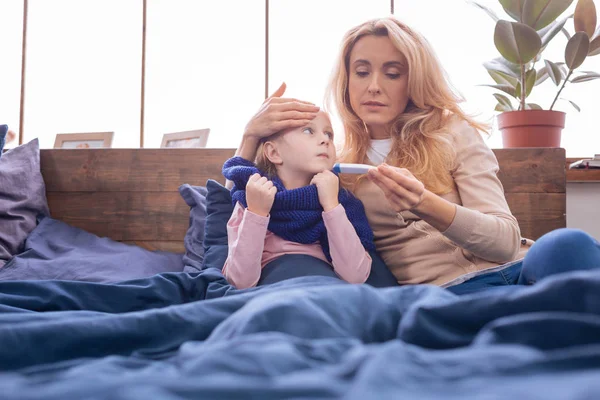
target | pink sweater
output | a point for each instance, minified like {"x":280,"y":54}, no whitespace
{"x":252,"y":246}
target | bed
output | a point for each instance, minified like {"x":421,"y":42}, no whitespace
{"x":183,"y":335}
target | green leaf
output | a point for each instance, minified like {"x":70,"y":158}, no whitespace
{"x":513,"y":8}
{"x":542,"y":75}
{"x":501,"y":108}
{"x":594,"y":47}
{"x":540,"y":13}
{"x":499,"y":64}
{"x":532,"y":106}
{"x":577,"y":50}
{"x":518,"y":43}
{"x":530,"y":78}
{"x":548,"y":33}
{"x":575,"y":106}
{"x":585,"y":17}
{"x":503,"y":79}
{"x":505,"y":88}
{"x":554,"y":72}
{"x":485,"y":9}
{"x":504,"y":101}
{"x":588,"y":76}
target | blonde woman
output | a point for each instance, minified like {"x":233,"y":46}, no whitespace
{"x":434,"y":202}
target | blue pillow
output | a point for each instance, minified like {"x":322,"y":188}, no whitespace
{"x":219,"y":209}
{"x":56,"y":250}
{"x":3,"y":132}
{"x":195,"y":197}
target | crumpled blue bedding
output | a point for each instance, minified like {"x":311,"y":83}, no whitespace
{"x":191,"y":336}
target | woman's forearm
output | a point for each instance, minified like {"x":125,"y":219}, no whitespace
{"x":436,"y":211}
{"x":246,"y":150}
{"x":248,"y":147}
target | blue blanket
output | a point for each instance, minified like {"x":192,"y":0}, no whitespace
{"x":190,"y":336}
{"x":56,"y":250}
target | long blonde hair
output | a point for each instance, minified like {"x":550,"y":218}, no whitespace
{"x":420,"y":138}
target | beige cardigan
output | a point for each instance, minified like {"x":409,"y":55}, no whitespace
{"x":483,"y":234}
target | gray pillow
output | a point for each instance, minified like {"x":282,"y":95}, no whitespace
{"x":195,"y":197}
{"x":22,"y":197}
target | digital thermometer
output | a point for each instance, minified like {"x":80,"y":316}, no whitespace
{"x":346,"y":168}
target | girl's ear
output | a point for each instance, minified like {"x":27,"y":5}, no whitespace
{"x":272,"y":153}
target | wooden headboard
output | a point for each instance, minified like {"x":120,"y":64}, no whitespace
{"x":131,"y":195}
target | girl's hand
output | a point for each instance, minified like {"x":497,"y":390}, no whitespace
{"x":401,"y":188}
{"x":278,"y":113}
{"x":328,"y":187}
{"x":260,"y":195}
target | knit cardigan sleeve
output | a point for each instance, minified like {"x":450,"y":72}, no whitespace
{"x":483,"y":224}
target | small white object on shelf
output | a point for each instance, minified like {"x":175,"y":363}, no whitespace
{"x":586,"y":163}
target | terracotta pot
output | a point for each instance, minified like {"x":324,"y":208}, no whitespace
{"x":531,"y":128}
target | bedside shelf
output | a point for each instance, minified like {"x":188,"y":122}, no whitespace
{"x":581,"y":175}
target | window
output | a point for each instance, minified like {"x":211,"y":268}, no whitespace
{"x":83,"y":69}
{"x":11,"y":33}
{"x":205,"y":68}
{"x":304,"y":41}
{"x":205,"y":64}
{"x":470,"y":43}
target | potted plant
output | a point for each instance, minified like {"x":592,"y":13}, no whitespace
{"x":521,"y":43}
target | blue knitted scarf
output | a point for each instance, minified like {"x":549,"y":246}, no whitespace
{"x":296,"y":214}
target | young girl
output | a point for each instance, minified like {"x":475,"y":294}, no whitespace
{"x":291,"y":203}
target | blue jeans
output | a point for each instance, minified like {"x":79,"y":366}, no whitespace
{"x":559,"y":251}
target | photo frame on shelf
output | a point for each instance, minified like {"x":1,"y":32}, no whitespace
{"x":187,"y":139}
{"x":87,"y":140}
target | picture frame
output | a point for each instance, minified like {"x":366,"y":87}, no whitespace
{"x":87,"y":140}
{"x":187,"y":139}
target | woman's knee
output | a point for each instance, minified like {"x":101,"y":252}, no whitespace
{"x":568,"y":238}
{"x":561,"y":250}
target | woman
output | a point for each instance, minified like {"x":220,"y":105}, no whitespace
{"x":446,"y":220}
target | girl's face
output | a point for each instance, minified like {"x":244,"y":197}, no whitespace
{"x":301,"y":153}
{"x":377,"y":83}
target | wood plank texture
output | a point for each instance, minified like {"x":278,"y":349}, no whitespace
{"x":538,"y":213}
{"x":130,"y":170}
{"x":131,"y":195}
{"x":153,"y":216}
{"x":170,"y":246}
{"x":534,"y":170}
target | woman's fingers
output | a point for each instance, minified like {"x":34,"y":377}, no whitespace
{"x":284,"y":100}
{"x":293,"y":106}
{"x":295,"y":115}
{"x":390,"y":187}
{"x":396,"y":190}
{"x":402,"y":177}
{"x":279,"y":92}
{"x":290,"y":123}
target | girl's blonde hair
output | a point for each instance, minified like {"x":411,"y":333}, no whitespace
{"x":420,"y":138}
{"x":262,"y":161}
